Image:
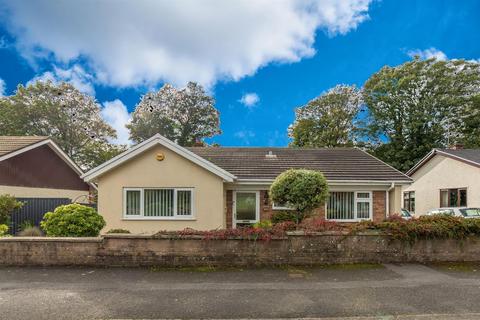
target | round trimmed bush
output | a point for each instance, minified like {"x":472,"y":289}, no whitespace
{"x":73,"y":220}
{"x":3,"y":230}
{"x":300,"y":189}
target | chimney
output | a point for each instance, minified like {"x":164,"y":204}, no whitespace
{"x":270,"y":155}
{"x":457,"y":146}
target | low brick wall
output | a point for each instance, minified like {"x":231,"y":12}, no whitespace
{"x":133,"y":251}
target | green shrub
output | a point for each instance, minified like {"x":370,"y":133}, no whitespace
{"x":3,"y":230}
{"x":424,"y":227}
{"x":31,"y":232}
{"x":265,"y":224}
{"x":300,"y":189}
{"x":8,"y":203}
{"x":285,"y":215}
{"x":118,"y":231}
{"x":73,"y":220}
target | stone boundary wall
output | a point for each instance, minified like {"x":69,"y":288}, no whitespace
{"x":135,"y":251}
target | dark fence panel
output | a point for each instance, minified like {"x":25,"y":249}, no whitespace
{"x":33,"y":210}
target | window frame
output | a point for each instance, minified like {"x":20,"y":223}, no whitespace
{"x":275,"y":207}
{"x":409,"y":200}
{"x":142,"y":204}
{"x":448,"y":190}
{"x":355,"y":209}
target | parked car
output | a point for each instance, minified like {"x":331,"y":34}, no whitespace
{"x":405,"y":214}
{"x":457,"y":212}
{"x":470,"y":212}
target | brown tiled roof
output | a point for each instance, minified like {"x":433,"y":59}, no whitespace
{"x":13,"y":143}
{"x":335,"y":163}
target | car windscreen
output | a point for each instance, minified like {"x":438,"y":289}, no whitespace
{"x":470,"y":212}
{"x":448,"y":212}
{"x":405,"y":213}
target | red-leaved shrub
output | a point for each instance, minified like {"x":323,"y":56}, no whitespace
{"x":319,"y":225}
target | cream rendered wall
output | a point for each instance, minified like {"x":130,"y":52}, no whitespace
{"x":395,"y":200}
{"x":80,"y":196}
{"x":174,"y":171}
{"x":442,"y":172}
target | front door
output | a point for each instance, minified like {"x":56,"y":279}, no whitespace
{"x":246,"y":208}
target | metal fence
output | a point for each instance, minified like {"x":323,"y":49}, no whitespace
{"x":33,"y":211}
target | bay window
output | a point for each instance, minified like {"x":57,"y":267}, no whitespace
{"x":158,"y":203}
{"x":349,"y":206}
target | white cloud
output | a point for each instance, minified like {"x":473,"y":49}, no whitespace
{"x":428,"y":54}
{"x":244,"y":136}
{"x":2,"y":87}
{"x":116,"y":114}
{"x":142,"y":42}
{"x":75,"y":75}
{"x":249,"y":99}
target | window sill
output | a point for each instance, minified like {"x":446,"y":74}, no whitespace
{"x":348,"y":220}
{"x":158,"y":219}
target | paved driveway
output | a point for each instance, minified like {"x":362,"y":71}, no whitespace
{"x":378,"y":291}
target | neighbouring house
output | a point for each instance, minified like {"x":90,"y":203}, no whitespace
{"x":159,"y":185}
{"x":444,"y":178}
{"x":35,"y":170}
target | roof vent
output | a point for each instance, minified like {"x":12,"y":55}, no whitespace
{"x":270,"y":155}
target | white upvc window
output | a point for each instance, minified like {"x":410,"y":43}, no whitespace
{"x":349,"y":206}
{"x":158,"y":203}
{"x":281,"y":206}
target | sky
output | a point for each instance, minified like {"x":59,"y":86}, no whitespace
{"x":259,"y":59}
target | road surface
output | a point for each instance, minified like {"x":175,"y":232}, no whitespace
{"x":373,"y":291}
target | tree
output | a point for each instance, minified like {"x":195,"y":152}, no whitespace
{"x":95,"y":153}
{"x":328,"y":120}
{"x":185,"y":116}
{"x":420,"y":105}
{"x":300,"y":189}
{"x":72,"y":119}
{"x":8,"y":204}
{"x":471,"y":132}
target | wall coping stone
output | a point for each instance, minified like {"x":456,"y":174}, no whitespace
{"x":51,"y":239}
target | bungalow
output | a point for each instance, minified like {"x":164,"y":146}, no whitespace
{"x":444,"y":178}
{"x":37,"y":172}
{"x":35,"y":167}
{"x":159,"y":185}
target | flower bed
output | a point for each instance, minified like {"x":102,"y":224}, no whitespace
{"x":425,"y":227}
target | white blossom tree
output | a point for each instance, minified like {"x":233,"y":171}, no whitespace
{"x":185,"y":115}
{"x":72,"y":119}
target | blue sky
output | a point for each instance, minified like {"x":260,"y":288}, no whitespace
{"x":275,"y":63}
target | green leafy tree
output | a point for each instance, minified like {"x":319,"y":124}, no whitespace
{"x":8,"y":204}
{"x":72,"y":220}
{"x":420,"y":105}
{"x":185,"y":116}
{"x":72,"y":119}
{"x":300,"y":189}
{"x":95,"y":153}
{"x":471,"y":131}
{"x":328,"y":120}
